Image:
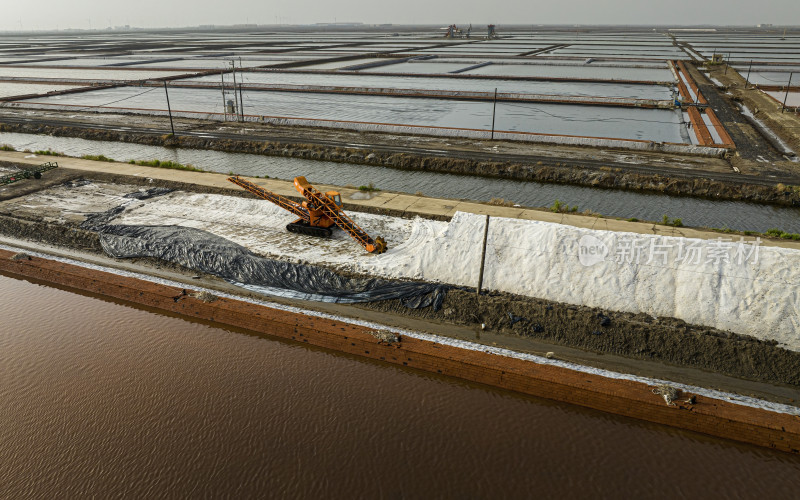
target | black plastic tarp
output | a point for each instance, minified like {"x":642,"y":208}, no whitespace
{"x":208,"y":253}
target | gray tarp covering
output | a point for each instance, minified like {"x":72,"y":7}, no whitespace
{"x":208,"y":253}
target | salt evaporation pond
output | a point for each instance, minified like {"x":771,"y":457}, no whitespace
{"x":8,"y":89}
{"x":359,"y":79}
{"x":86,"y":74}
{"x":656,"y":125}
{"x":586,"y":71}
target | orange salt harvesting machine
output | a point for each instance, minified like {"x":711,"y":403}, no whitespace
{"x":319,"y":213}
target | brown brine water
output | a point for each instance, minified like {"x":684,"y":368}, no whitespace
{"x":99,"y":398}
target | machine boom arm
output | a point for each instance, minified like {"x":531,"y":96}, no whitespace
{"x":341,"y":219}
{"x":277,"y":199}
{"x":318,"y":213}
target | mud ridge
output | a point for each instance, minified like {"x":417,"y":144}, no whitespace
{"x":638,"y":336}
{"x":557,"y":173}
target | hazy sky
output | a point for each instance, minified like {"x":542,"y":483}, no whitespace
{"x":61,"y":14}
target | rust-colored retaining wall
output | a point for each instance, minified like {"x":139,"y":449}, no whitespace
{"x":703,"y":135}
{"x":692,"y":84}
{"x":723,"y":134}
{"x":622,"y":397}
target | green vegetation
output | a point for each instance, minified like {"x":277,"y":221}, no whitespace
{"x":778,"y":233}
{"x":6,"y":147}
{"x":769,"y":233}
{"x":167,"y":164}
{"x":97,"y":158}
{"x":501,"y":202}
{"x":48,"y":152}
{"x":559,"y":207}
{"x":784,"y":188}
{"x":632,"y":219}
{"x":671,"y":222}
{"x":369,"y":188}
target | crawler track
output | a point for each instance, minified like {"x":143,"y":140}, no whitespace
{"x":301,"y":228}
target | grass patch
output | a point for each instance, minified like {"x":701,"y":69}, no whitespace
{"x":48,"y":152}
{"x":173,"y":165}
{"x":97,"y":158}
{"x":6,"y":147}
{"x":501,"y":202}
{"x":368,"y":189}
{"x":559,"y":207}
{"x":779,"y":233}
{"x":784,"y":188}
{"x":666,"y":221}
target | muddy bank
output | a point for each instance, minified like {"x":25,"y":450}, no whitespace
{"x":550,"y":172}
{"x":65,"y":235}
{"x":638,"y":336}
{"x":514,"y":317}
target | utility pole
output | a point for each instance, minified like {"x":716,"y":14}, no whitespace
{"x":235,"y":97}
{"x":494,"y":109}
{"x":727,"y":64}
{"x":224,"y":105}
{"x":788,"y":86}
{"x":241,"y":99}
{"x":747,"y":82}
{"x":483,"y":256}
{"x":169,"y":109}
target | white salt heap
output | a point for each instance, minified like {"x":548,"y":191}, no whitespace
{"x":729,"y":285}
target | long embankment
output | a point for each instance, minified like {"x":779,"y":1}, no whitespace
{"x":544,"y":315}
{"x":701,"y":410}
{"x":765,"y":109}
{"x":641,"y":399}
{"x":558,"y":171}
{"x":380,"y":202}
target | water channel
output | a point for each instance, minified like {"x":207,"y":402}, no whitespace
{"x":693,"y":211}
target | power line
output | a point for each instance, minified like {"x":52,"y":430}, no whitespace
{"x":118,"y":100}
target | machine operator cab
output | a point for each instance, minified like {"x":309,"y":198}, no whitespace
{"x":336,"y":197}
